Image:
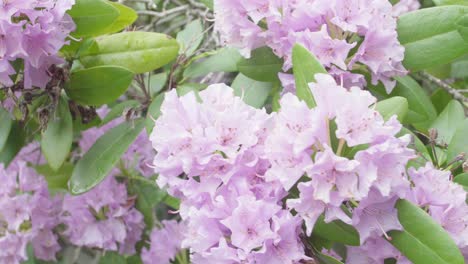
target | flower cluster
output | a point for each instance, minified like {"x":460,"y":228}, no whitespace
{"x":33,"y":31}
{"x":248,"y":180}
{"x":349,"y":37}
{"x":232,"y":214}
{"x":165,"y":243}
{"x":28,"y":213}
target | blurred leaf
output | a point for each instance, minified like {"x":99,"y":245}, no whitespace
{"x":440,"y":99}
{"x":172,"y":202}
{"x":190,"y":37}
{"x":462,"y":27}
{"x":450,"y":2}
{"x":56,"y":179}
{"x":126,"y":17}
{"x":118,"y":110}
{"x":223,"y":60}
{"x":422,"y":240}
{"x":186,"y":88}
{"x":253,"y":92}
{"x":157,"y":83}
{"x":325,"y":259}
{"x":459,"y":142}
{"x":95,"y":165}
{"x":111,"y":257}
{"x":7,"y":122}
{"x":427,"y":45}
{"x":148,"y":197}
{"x":57,"y":139}
{"x":396,"y":105}
{"x":460,"y":69}
{"x":92,"y":17}
{"x":208,"y":3}
{"x":462,"y":179}
{"x":263,"y":65}
{"x":305,"y":66}
{"x":137,"y":51}
{"x":13,"y":145}
{"x":154,"y":111}
{"x":98,"y":85}
{"x":421,"y":112}
{"x":336,"y":231}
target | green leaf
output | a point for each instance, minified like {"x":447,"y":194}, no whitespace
{"x":253,"y":92}
{"x":56,"y":179}
{"x":126,"y":17}
{"x":305,"y":66}
{"x":336,"y":231}
{"x":154,"y":111}
{"x":172,"y":202}
{"x":5,"y":128}
{"x":446,"y":125}
{"x":98,"y":85}
{"x":396,"y":105}
{"x":208,"y":3}
{"x":462,"y":179}
{"x":459,"y":143}
{"x":421,"y":112}
{"x":427,"y":45}
{"x":137,"y":51}
{"x":440,"y":99}
{"x":263,"y":65}
{"x":325,"y":259}
{"x":422,"y":240}
{"x":148,"y":197}
{"x":462,"y":27}
{"x":111,"y":257}
{"x":93,"y":17}
{"x":190,"y":38}
{"x":13,"y":145}
{"x":222,"y":60}
{"x":460,"y":69}
{"x":157,"y":83}
{"x":57,"y":139}
{"x":119,"y":110}
{"x":450,"y":2}
{"x":94,"y":166}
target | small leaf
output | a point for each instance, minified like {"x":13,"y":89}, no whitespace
{"x":422,"y":240}
{"x":57,"y":139}
{"x":336,"y":231}
{"x":459,"y":143}
{"x":56,"y":179}
{"x":262,"y":66}
{"x":427,"y":45}
{"x":396,"y":105}
{"x":92,"y":17}
{"x":172,"y":202}
{"x":95,"y":165}
{"x":118,"y":110}
{"x":190,"y":37}
{"x":154,"y":111}
{"x":98,"y":85}
{"x":157,"y":83}
{"x":462,"y":179}
{"x":137,"y":51}
{"x":222,"y":60}
{"x":13,"y":145}
{"x":253,"y":92}
{"x":126,"y":17}
{"x":6,"y":124}
{"x":305,"y":66}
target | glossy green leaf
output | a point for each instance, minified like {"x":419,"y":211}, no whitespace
{"x":56,"y":179}
{"x":7,"y":122}
{"x":190,"y":37}
{"x":98,"y":85}
{"x":396,"y":105}
{"x":421,"y":112}
{"x":462,"y":179}
{"x":222,"y":60}
{"x":263,"y":65}
{"x":13,"y":145}
{"x":154,"y":111}
{"x":459,"y":142}
{"x":57,"y":139}
{"x":422,"y":240}
{"x":95,"y":165}
{"x":253,"y":92}
{"x":427,"y":45}
{"x":137,"y":51}
{"x":93,"y":17}
{"x":126,"y":17}
{"x":148,"y":197}
{"x":118,"y":110}
{"x":336,"y":231}
{"x":305,"y":66}
{"x":446,"y":125}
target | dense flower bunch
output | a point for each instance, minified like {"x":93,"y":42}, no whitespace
{"x":28,"y":213}
{"x":165,"y":243}
{"x":347,"y":36}
{"x":236,"y":168}
{"x":33,"y":31}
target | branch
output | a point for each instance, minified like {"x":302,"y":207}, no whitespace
{"x":449,"y":89}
